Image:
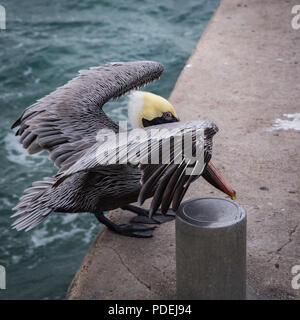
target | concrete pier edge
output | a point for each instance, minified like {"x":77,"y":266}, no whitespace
{"x":243,"y":74}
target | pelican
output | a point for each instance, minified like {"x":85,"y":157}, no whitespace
{"x":68,"y":123}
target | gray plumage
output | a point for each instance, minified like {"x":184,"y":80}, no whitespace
{"x":66,"y":123}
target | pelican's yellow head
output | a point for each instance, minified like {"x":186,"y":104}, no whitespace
{"x":146,"y":109}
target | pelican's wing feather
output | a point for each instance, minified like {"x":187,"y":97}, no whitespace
{"x":66,"y":122}
{"x":170,"y":156}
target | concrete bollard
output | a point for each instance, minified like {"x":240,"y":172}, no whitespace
{"x":211,"y":250}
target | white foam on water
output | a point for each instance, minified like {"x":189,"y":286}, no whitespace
{"x":6,"y":95}
{"x":282,"y":124}
{"x":89,"y":233}
{"x":41,"y":237}
{"x":6,"y":203}
{"x":17,"y":154}
{"x":49,"y":232}
{"x":28,"y":71}
{"x":68,"y":218}
{"x":16,"y":259}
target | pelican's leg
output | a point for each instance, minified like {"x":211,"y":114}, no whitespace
{"x":130,"y":230}
{"x":143,"y":215}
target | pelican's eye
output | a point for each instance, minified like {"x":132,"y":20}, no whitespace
{"x":168,"y":115}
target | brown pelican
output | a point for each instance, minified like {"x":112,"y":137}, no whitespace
{"x":67,"y":123}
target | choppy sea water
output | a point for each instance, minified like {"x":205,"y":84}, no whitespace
{"x":44,"y":46}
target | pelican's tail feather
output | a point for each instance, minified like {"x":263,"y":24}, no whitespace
{"x":34,"y":206}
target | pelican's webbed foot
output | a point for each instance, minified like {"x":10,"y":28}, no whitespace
{"x":130,"y":230}
{"x":143,"y":215}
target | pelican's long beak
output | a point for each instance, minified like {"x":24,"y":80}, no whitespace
{"x":212,"y":175}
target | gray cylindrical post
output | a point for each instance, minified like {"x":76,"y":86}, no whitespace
{"x":211,"y":249}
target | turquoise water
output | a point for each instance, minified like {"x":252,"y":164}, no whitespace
{"x":44,"y":45}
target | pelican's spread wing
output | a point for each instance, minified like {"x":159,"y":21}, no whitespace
{"x":66,"y":121}
{"x":170,"y":156}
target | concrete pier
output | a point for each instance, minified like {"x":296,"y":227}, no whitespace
{"x":243,"y":75}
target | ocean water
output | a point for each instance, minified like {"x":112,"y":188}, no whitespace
{"x":44,"y":45}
